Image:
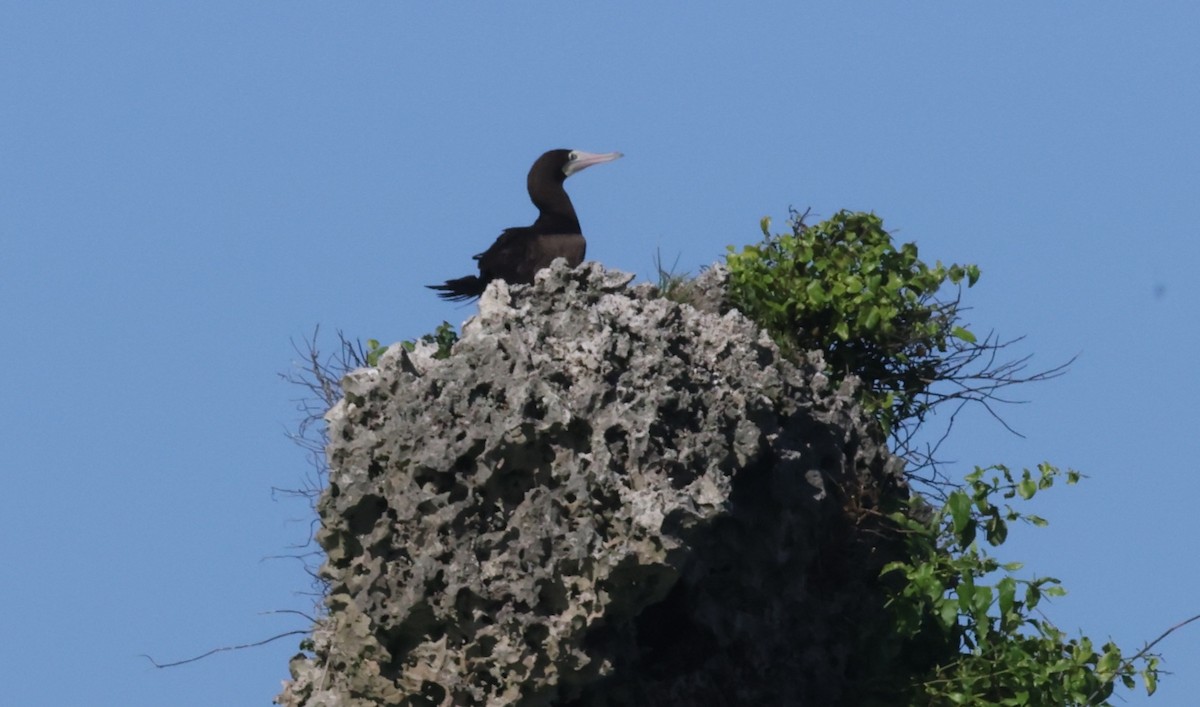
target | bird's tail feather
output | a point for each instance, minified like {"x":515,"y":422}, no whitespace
{"x":460,"y":290}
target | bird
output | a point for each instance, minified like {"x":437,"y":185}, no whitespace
{"x":521,"y":252}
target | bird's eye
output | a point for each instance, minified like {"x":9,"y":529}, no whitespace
{"x":572,"y":156}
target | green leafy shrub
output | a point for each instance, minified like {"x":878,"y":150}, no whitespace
{"x":965,"y":629}
{"x":1009,"y":653}
{"x":444,"y":337}
{"x":844,"y":288}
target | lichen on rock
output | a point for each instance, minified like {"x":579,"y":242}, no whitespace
{"x":602,"y":497}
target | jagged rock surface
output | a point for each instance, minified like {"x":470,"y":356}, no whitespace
{"x":603,"y":497}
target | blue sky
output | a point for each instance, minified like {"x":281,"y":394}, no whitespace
{"x":186,"y":187}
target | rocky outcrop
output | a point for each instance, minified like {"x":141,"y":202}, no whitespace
{"x":603,"y":497}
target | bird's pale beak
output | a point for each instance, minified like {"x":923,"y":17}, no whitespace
{"x":583,"y":160}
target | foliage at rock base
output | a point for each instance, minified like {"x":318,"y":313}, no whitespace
{"x":951,"y":587}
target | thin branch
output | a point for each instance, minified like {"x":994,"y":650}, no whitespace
{"x":968,"y":373}
{"x":1145,"y":651}
{"x":202,"y":656}
{"x":289,"y":611}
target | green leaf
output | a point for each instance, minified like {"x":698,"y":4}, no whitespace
{"x":981,"y":601}
{"x":815,"y":292}
{"x":1006,"y":590}
{"x":960,"y":512}
{"x":972,"y":275}
{"x":376,"y":351}
{"x":1108,"y":664}
{"x":948,"y":613}
{"x":1033,"y":595}
{"x":961,"y":333}
{"x":997,"y":528}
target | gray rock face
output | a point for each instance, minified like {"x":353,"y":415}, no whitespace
{"x":601,"y":498}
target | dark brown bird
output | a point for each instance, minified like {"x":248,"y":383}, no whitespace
{"x":520,"y":252}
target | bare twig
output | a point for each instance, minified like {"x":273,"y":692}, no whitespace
{"x":202,"y":656}
{"x":970,"y":372}
{"x":1145,"y":651}
{"x":319,"y":377}
{"x":289,"y":611}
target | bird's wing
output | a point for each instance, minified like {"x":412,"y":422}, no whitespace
{"x":511,"y":238}
{"x":506,"y":258}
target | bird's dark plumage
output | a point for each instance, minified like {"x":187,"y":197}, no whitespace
{"x":520,"y":252}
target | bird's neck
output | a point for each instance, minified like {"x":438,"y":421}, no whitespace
{"x":556,"y":214}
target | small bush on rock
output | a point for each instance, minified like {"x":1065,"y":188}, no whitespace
{"x":966,"y":630}
{"x":844,"y":288}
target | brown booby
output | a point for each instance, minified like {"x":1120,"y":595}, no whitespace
{"x":520,"y":252}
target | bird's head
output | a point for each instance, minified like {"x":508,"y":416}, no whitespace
{"x":557,"y":165}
